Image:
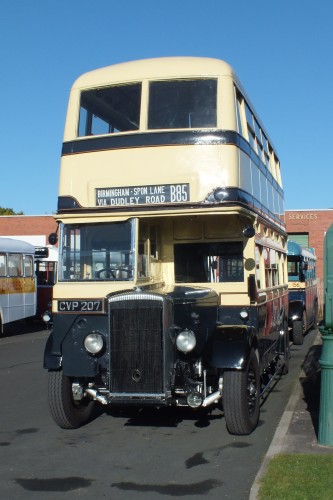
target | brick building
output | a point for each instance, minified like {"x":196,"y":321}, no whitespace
{"x":32,"y":228}
{"x":308,"y":227}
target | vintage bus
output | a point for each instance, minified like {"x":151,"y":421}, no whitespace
{"x":172,"y":285}
{"x":17,"y":281}
{"x":303,"y":290}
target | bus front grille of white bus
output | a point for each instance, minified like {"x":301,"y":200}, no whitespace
{"x":136,"y":346}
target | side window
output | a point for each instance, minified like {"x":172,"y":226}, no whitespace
{"x":15,"y":267}
{"x":240,"y":113}
{"x":250,"y":128}
{"x":258,"y":259}
{"x":28,"y":266}
{"x":3,"y":270}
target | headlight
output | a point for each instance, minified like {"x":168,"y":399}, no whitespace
{"x":186,"y":341}
{"x":244,"y":315}
{"x":46,"y":317}
{"x":94,"y":343}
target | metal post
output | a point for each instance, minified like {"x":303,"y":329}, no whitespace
{"x":325,"y":434}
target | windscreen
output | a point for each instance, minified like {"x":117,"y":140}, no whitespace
{"x":182,"y":104}
{"x":294,"y":264}
{"x":109,"y":110}
{"x":94,"y":252}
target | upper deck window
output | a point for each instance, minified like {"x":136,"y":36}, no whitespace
{"x":182,"y":104}
{"x":109,"y":110}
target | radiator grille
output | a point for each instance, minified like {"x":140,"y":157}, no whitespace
{"x":136,"y":348}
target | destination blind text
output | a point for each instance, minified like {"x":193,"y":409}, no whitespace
{"x":143,"y":195}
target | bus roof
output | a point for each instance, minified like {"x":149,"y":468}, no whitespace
{"x":164,"y":67}
{"x":296,"y":249}
{"x":16,"y":246}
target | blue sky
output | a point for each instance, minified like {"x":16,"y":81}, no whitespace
{"x":281,"y":51}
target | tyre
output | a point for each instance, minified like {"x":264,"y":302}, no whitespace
{"x":67,"y":413}
{"x":285,"y":350}
{"x":241,"y":398}
{"x":315,"y":319}
{"x":298,"y":330}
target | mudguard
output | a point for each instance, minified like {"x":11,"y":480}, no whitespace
{"x":230,"y":346}
{"x":52,"y":361}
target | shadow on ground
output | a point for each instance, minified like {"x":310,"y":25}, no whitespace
{"x":311,"y":384}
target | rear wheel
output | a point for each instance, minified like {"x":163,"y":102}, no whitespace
{"x":315,"y":319}
{"x":241,"y":397}
{"x":284,"y":357}
{"x":65,"y":411}
{"x":299,"y":330}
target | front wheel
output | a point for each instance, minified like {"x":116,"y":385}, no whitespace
{"x":65,"y":411}
{"x":241,"y":398}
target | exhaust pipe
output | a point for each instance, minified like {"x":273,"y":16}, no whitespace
{"x":212,"y":398}
{"x":98,"y":397}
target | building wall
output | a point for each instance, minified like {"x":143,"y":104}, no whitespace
{"x":315,"y":223}
{"x":28,"y":225}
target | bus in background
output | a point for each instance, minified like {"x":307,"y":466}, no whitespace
{"x":172,"y":285}
{"x":303,"y":290}
{"x":46,"y":260}
{"x":17,"y":281}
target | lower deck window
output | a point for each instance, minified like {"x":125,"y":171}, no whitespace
{"x":93,"y":252}
{"x":209,"y":262}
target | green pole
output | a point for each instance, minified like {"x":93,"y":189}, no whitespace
{"x":325,"y":433}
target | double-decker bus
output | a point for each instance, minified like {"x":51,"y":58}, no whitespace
{"x":172,"y":280}
{"x":303,"y":290}
{"x":17,"y":281}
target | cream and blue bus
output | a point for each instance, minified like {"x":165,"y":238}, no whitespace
{"x":17,"y":281}
{"x":303,"y":290}
{"x":172,"y":285}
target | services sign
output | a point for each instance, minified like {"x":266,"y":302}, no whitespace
{"x":143,"y":195}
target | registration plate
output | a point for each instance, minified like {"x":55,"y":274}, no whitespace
{"x":85,"y":306}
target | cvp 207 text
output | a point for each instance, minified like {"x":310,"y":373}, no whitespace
{"x":80,"y":305}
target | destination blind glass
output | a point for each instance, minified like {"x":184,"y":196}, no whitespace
{"x":143,"y":195}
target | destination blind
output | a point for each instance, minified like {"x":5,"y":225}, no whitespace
{"x":143,"y":195}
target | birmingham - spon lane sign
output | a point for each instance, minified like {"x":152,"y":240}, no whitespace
{"x":143,"y":195}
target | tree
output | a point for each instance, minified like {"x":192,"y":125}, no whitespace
{"x":9,"y":211}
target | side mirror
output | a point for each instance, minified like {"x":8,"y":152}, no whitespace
{"x":53,"y":238}
{"x":249,"y":232}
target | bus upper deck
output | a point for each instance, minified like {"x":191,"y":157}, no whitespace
{"x":177,"y":133}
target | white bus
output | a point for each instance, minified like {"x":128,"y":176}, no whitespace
{"x":17,"y":280}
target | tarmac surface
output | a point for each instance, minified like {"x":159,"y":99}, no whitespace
{"x":297,"y":432}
